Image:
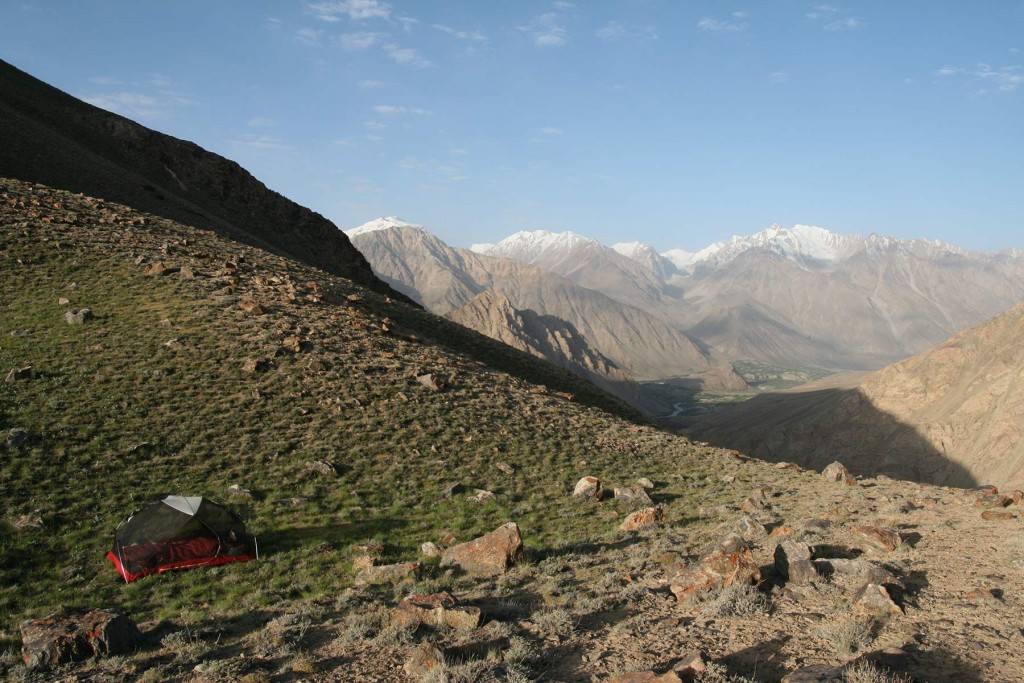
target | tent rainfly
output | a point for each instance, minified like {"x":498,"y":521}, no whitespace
{"x":179,"y":532}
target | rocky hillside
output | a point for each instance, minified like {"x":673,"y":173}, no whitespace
{"x":951,"y":415}
{"x":443,"y":278}
{"x":50,"y":137}
{"x":411,"y":485}
{"x":552,"y":339}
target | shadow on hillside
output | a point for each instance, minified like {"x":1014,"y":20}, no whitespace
{"x":337,"y":535}
{"x":814,"y":428}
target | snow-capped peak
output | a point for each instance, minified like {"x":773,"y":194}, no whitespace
{"x":528,"y":245}
{"x":381,"y":224}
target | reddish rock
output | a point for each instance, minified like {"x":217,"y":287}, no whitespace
{"x":726,"y":563}
{"x":423,"y":660}
{"x":251,"y":306}
{"x":690,"y":666}
{"x":878,"y":538}
{"x":643,"y":518}
{"x":436,"y":609}
{"x":488,"y":555}
{"x":588,"y":487}
{"x":985,"y":488}
{"x":254,"y":365}
{"x":993,"y":515}
{"x":292,"y":343}
{"x":387,"y":573}
{"x":782,"y":530}
{"x":751,"y":504}
{"x":992,"y":500}
{"x":634,"y":495}
{"x":750,"y":529}
{"x":793,"y":561}
{"x":873,"y":600}
{"x":52,"y":641}
{"x":837,"y":472}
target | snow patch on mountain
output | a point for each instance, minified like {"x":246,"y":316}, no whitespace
{"x":528,"y":245}
{"x":381,"y":224}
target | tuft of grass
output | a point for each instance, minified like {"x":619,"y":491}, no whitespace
{"x":847,"y":636}
{"x":556,"y":621}
{"x":737,"y":600}
{"x":867,"y":672}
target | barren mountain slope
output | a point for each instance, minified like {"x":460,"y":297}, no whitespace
{"x":553,"y":339}
{"x":49,"y":137}
{"x":951,"y":415}
{"x":444,"y":278}
{"x":340,"y":421}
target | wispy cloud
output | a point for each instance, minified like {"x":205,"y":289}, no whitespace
{"x":475,"y":36}
{"x":368,"y":84}
{"x":822,"y":11}
{"x":733,"y":24}
{"x":374,"y":125}
{"x":986,"y":78}
{"x":406,"y":56}
{"x":551,"y":130}
{"x":308,"y":36}
{"x":356,"y":10}
{"x":360,"y":40}
{"x":834,"y":18}
{"x":398,"y":110}
{"x":259,"y":142}
{"x":845,"y":24}
{"x":615,"y":30}
{"x":779,"y":76}
{"x":153,"y":98}
{"x":548,"y":29}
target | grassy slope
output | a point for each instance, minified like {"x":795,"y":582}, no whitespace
{"x":111,"y":384}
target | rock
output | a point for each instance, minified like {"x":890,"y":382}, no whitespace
{"x":252,"y":365}
{"x":816,"y":673}
{"x":186,"y":273}
{"x":430,"y":549}
{"x":32,"y":520}
{"x":877,"y":537}
{"x":837,"y":472}
{"x":750,"y":529}
{"x":237,"y":490}
{"x":56,"y":640}
{"x":986,"y":488}
{"x":480,"y":495}
{"x":873,"y":600}
{"x":711,"y":510}
{"x":63,"y":301}
{"x":321,"y":468}
{"x":727,"y":562}
{"x":451,"y":490}
{"x":435,"y":610}
{"x":505,"y":467}
{"x":159,"y":269}
{"x":992,"y":515}
{"x":751,"y":504}
{"x":787,"y":466}
{"x":1016,"y":497}
{"x":855,"y":573}
{"x":793,"y":561}
{"x":387,"y":573}
{"x":690,"y":666}
{"x":984,"y":596}
{"x":646,"y":677}
{"x":431,"y":381}
{"x":251,"y":306}
{"x":643,"y":518}
{"x":292,"y":343}
{"x":78,"y":316}
{"x":588,"y":487}
{"x":646,"y":483}
{"x":782,"y":530}
{"x":20,"y":333}
{"x":488,"y":555}
{"x":992,"y":500}
{"x":21,"y":374}
{"x":17,"y":437}
{"x":632,"y":495}
{"x":424,"y":659}
{"x":762,"y":492}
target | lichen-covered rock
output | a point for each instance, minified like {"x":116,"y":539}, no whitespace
{"x":793,"y":561}
{"x":56,"y":640}
{"x":727,"y":562}
{"x":588,"y":487}
{"x":873,"y":600}
{"x":877,"y":537}
{"x":633,"y":495}
{"x":643,"y":518}
{"x":423,"y":660}
{"x":436,"y":609}
{"x":837,"y":472}
{"x":387,"y":573}
{"x":488,"y":555}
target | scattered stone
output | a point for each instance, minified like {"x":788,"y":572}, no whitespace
{"x":992,"y":500}
{"x":424,"y":659}
{"x":728,"y":479}
{"x":55,"y":640}
{"x":160,"y":269}
{"x":1016,"y":497}
{"x":986,"y":488}
{"x":488,"y":555}
{"x":480,"y":495}
{"x":787,"y":466}
{"x":240,"y":491}
{"x":354,"y":298}
{"x":793,"y":560}
{"x":646,"y":483}
{"x":877,"y":537}
{"x":588,"y":487}
{"x":20,"y":333}
{"x":430,"y":549}
{"x":321,"y":467}
{"x":173,"y":345}
{"x":993,"y":515}
{"x":505,"y":467}
{"x":78,"y":316}
{"x":386,"y":573}
{"x":63,"y":301}
{"x":186,"y":273}
{"x":293,"y":502}
{"x":751,"y":504}
{"x":431,"y":381}
{"x":984,"y":596}
{"x":750,"y":529}
{"x":762,"y":492}
{"x":816,"y":673}
{"x":32,"y":520}
{"x":727,"y":562}
{"x":452,"y":490}
{"x":633,"y":495}
{"x":292,"y":343}
{"x":253,"y":365}
{"x":17,"y":437}
{"x":251,"y":306}
{"x":435,"y":610}
{"x":643,"y":518}
{"x":690,"y":666}
{"x":837,"y":472}
{"x":817,"y":524}
{"x":873,"y":600}
{"x":712,"y":510}
{"x":856,"y":573}
{"x":21,"y":374}
{"x":782,"y":530}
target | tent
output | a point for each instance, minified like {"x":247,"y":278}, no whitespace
{"x":179,"y":532}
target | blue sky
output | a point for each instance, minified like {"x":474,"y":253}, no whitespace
{"x":673,"y":122}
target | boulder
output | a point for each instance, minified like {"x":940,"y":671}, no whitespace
{"x":588,"y":487}
{"x":430,"y":549}
{"x":321,"y":468}
{"x":646,"y":483}
{"x":431,"y":381}
{"x":251,"y":306}
{"x":435,"y":610}
{"x":793,"y":561}
{"x":993,"y":500}
{"x":252,"y":365}
{"x":856,"y":573}
{"x":642,"y":518}
{"x":505,"y":467}
{"x":691,"y":666}
{"x":451,"y":490}
{"x":751,"y":504}
{"x":837,"y":472}
{"x":240,"y":491}
{"x":634,"y":495}
{"x":423,"y":660}
{"x":159,"y":269}
{"x":873,"y":600}
{"x":480,"y":495}
{"x":387,"y":573}
{"x":727,"y":562}
{"x":56,"y":640}
{"x":877,"y":537}
{"x":78,"y":316}
{"x":750,"y":529}
{"x":488,"y":555}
